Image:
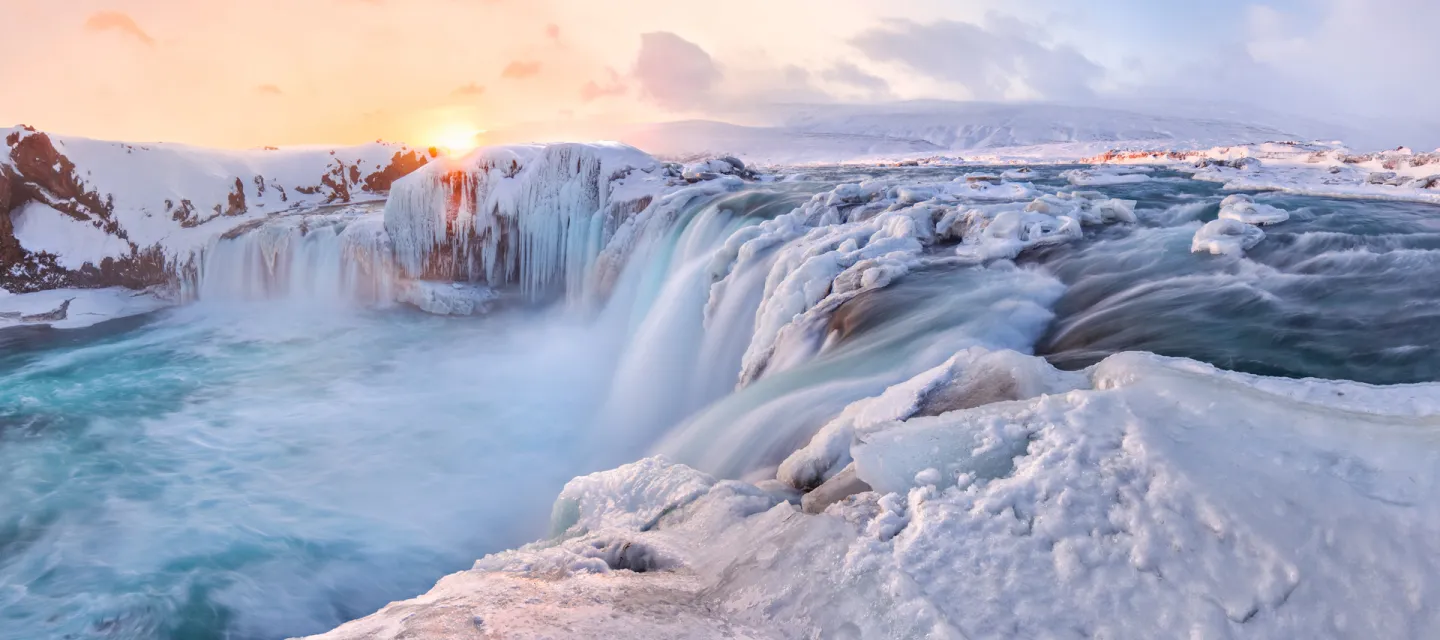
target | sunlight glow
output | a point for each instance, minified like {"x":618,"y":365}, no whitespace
{"x":457,"y":139}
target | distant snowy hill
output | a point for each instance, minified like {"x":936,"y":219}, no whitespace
{"x":81,"y":212}
{"x":839,"y":133}
{"x":971,"y":126}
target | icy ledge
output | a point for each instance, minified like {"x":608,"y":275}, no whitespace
{"x":1155,"y":497}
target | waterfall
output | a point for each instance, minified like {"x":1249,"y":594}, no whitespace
{"x":739,"y":318}
{"x":327,"y":258}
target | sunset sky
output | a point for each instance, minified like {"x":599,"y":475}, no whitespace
{"x":240,"y":74}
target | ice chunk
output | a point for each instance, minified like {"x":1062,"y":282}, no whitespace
{"x":1243,"y":208}
{"x":1226,"y":236}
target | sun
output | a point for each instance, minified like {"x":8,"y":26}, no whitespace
{"x":457,"y":139}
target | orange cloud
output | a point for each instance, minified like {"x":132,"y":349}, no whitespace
{"x":117,"y":21}
{"x":552,"y":31}
{"x":468,"y":91}
{"x":518,"y":70}
{"x":593,"y":90}
{"x":269,"y":90}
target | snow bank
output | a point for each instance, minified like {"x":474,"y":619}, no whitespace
{"x":87,"y":306}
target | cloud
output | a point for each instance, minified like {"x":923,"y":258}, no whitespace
{"x":552,"y":31}
{"x":674,"y":72}
{"x":613,"y":86}
{"x":468,"y":91}
{"x":850,"y":75}
{"x":269,"y":90}
{"x":519,"y":70}
{"x":1003,"y":60}
{"x":1336,"y":61}
{"x":117,"y":21}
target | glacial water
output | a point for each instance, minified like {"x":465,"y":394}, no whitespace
{"x":246,"y":467}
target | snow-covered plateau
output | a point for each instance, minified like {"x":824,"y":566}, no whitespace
{"x":910,"y":399}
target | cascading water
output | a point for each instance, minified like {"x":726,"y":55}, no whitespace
{"x":332,"y":257}
{"x":280,"y":468}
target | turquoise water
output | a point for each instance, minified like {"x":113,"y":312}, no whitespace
{"x":267,"y":471}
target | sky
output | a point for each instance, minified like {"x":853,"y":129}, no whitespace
{"x":240,"y":74}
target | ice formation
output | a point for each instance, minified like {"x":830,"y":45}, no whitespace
{"x":536,"y":216}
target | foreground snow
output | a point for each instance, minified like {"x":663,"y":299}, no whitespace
{"x":1160,"y":496}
